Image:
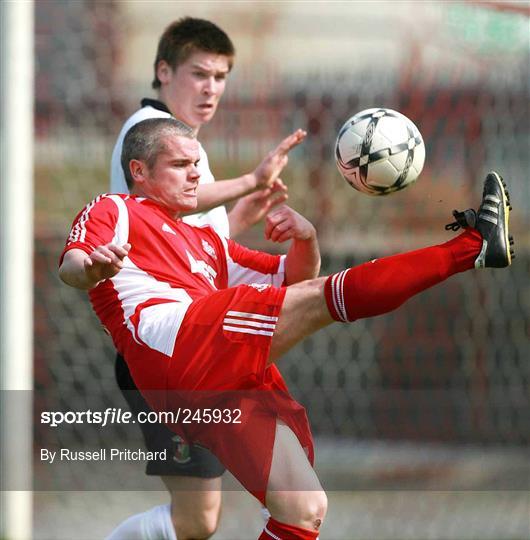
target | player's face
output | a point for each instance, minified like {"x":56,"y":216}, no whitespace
{"x":192,"y":91}
{"x":173,"y":179}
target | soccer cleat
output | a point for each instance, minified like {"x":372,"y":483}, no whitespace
{"x":491,"y":221}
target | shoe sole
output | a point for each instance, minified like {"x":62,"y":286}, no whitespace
{"x":507,"y":208}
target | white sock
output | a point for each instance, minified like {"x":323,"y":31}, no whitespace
{"x":265,"y":514}
{"x":155,"y":524}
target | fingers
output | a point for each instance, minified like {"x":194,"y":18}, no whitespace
{"x":270,"y":224}
{"x":291,"y":141}
{"x":280,"y":233}
{"x":278,"y":194}
{"x":101,"y":255}
{"x":278,"y":185}
{"x":273,"y":202}
{"x":120,"y":251}
{"x":273,"y":195}
{"x":104,"y":262}
{"x":276,"y":190}
{"x":283,"y":237}
{"x":284,"y":223}
{"x":274,"y":162}
{"x":109,"y":254}
{"x":278,"y":215}
{"x":279,"y":225}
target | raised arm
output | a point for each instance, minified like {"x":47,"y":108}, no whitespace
{"x":83,"y":271}
{"x":262,"y":177}
{"x":303,"y":258}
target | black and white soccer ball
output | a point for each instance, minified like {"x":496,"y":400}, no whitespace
{"x":379,"y":151}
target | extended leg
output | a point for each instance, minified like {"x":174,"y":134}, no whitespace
{"x":382,"y":285}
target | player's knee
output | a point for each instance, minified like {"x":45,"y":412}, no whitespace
{"x":305,"y":509}
{"x":199,"y":525}
{"x":316,"y":509}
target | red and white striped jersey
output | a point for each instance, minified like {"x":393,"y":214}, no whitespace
{"x":170,"y":264}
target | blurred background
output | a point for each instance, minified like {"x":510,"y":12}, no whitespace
{"x":421,"y":417}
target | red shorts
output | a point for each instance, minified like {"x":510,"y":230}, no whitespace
{"x":219,"y":363}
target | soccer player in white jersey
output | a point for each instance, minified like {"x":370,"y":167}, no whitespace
{"x":203,"y":321}
{"x":194,"y":58}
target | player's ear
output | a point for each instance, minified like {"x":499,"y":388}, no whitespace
{"x":163,"y":71}
{"x":138,"y":170}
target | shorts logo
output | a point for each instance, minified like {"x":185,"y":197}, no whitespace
{"x":249,"y":323}
{"x":181,"y":452}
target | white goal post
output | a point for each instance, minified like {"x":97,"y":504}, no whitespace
{"x":16,"y":266}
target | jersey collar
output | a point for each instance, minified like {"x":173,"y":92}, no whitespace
{"x":159,"y":105}
{"x":146,"y":201}
{"x":155,"y":103}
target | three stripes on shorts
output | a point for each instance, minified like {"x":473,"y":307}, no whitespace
{"x":249,"y":323}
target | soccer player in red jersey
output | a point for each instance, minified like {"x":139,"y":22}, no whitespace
{"x":192,"y":65}
{"x":199,"y":318}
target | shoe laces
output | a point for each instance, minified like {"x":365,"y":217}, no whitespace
{"x":465,"y":219}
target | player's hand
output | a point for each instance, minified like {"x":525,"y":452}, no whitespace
{"x":272,"y":165}
{"x":105,"y":261}
{"x":252,"y":208}
{"x":283,"y":224}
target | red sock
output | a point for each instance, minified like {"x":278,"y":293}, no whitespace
{"x":382,"y":285}
{"x":274,"y":530}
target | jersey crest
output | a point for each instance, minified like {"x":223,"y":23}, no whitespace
{"x":181,"y":450}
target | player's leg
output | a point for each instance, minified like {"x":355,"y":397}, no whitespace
{"x":369,"y":289}
{"x":382,"y":285}
{"x":191,"y":516}
{"x":294,"y":497}
{"x":195,"y":506}
{"x":204,"y":505}
{"x":154,"y":524}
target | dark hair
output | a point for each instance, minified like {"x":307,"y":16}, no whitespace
{"x":185,"y":36}
{"x":146,"y":140}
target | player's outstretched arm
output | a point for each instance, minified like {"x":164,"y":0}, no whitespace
{"x":262,"y":177}
{"x":303,"y":258}
{"x":83,"y":271}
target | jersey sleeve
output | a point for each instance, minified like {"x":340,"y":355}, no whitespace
{"x":247,"y":266}
{"x":95,"y":225}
